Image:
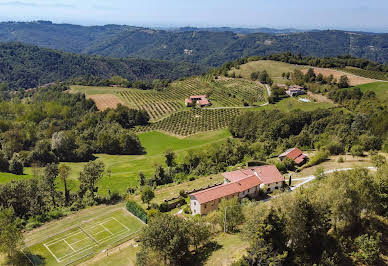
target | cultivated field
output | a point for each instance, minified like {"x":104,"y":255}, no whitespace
{"x":104,"y":101}
{"x":194,"y":121}
{"x":159,"y":104}
{"x":353,"y":79}
{"x":85,"y":239}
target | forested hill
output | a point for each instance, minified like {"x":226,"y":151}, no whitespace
{"x":195,"y":46}
{"x":25,"y":66}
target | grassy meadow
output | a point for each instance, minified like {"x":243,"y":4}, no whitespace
{"x":125,"y":168}
{"x":380,"y":88}
{"x":274,"y":69}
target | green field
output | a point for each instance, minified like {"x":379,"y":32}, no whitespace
{"x":85,"y":239}
{"x":274,"y":69}
{"x":125,"y":168}
{"x":380,"y":88}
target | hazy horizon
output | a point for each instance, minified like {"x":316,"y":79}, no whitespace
{"x":353,"y":15}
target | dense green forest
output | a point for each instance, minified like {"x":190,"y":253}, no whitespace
{"x":210,"y":47}
{"x":25,"y":66}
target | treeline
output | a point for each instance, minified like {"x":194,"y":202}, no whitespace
{"x":331,"y":130}
{"x":156,"y":84}
{"x":24,"y":66}
{"x":49,"y":125}
{"x":290,"y":58}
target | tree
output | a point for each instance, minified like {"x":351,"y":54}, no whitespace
{"x":170,"y":157}
{"x":199,"y":232}
{"x":89,"y":177}
{"x":307,"y":226}
{"x":63,"y":173}
{"x":167,"y":236}
{"x":4,"y":166}
{"x":265,"y":232}
{"x":147,"y":194}
{"x":357,"y":150}
{"x":11,"y":238}
{"x":230,"y":214}
{"x":16,"y":165}
{"x":378,"y":160}
{"x":343,"y":82}
{"x":254,"y":75}
{"x":50,"y":175}
{"x":142,"y":179}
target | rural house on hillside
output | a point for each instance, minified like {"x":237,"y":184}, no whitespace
{"x":294,"y":154}
{"x":241,"y":184}
{"x":200,"y":100}
{"x":295,"y":90}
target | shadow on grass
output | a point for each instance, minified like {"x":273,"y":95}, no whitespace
{"x":22,"y":259}
{"x":203,"y":253}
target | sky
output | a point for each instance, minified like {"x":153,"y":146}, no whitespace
{"x":369,"y":15}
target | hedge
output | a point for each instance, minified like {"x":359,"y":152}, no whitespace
{"x":137,"y":210}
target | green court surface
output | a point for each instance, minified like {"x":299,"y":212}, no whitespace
{"x":85,"y":239}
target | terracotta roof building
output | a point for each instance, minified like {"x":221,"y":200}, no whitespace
{"x":240,"y":183}
{"x":200,"y":100}
{"x":294,"y":154}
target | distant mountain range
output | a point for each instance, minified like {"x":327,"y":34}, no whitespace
{"x":206,"y":46}
{"x":237,"y":30}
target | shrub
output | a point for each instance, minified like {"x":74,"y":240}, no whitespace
{"x":357,"y":150}
{"x":368,"y":249}
{"x":318,"y":158}
{"x":187,"y":209}
{"x":137,"y":210}
{"x":340,"y":159}
{"x":335,"y":148}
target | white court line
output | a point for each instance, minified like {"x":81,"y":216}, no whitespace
{"x":69,"y":245}
{"x":106,"y":229}
{"x":64,"y":237}
{"x":55,"y":257}
{"x":120,"y":223}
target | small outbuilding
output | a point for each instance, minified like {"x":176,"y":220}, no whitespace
{"x":200,"y":100}
{"x":294,"y":154}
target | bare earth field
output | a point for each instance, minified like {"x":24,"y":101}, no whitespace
{"x":353,"y":79}
{"x":104,"y":101}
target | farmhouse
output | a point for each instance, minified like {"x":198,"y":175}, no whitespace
{"x":294,"y":154}
{"x":295,"y":90}
{"x":200,"y":100}
{"x":241,"y":184}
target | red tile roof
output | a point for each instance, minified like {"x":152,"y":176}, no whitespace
{"x":198,"y":97}
{"x":226,"y":189}
{"x":203,"y":102}
{"x":292,"y":153}
{"x":237,"y":175}
{"x":241,"y":180}
{"x":188,"y":101}
{"x":300,"y":159}
{"x":268,"y":174}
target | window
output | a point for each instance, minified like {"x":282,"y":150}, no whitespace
{"x":276,"y":187}
{"x":204,"y":205}
{"x":194,"y":210}
{"x":195,"y":203}
{"x":268,"y":189}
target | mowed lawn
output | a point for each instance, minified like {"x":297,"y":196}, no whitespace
{"x":125,"y":168}
{"x":380,"y":88}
